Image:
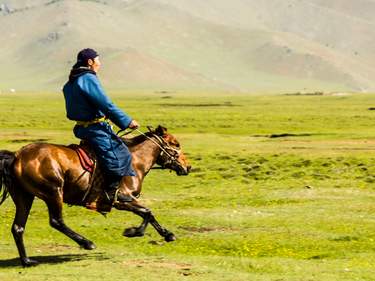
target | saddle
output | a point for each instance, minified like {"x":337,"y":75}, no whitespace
{"x":94,"y":198}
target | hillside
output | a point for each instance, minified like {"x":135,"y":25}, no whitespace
{"x":238,"y":45}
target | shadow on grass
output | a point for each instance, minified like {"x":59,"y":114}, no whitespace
{"x":54,"y":259}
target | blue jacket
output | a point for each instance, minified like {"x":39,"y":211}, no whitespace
{"x":86,"y":100}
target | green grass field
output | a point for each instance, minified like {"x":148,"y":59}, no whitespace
{"x":257,"y":205}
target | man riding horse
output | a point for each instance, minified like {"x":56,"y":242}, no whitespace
{"x":54,"y":173}
{"x":88,"y":105}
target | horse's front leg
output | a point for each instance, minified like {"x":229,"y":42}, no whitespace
{"x":147,"y":216}
{"x":168,"y":236}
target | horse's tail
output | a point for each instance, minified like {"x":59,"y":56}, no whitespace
{"x":6,"y":163}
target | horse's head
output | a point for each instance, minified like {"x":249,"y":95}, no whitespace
{"x":171,"y":156}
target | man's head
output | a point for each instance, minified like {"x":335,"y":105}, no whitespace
{"x":88,"y":58}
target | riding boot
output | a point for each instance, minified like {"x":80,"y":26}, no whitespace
{"x":112,"y":192}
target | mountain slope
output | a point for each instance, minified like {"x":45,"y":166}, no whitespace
{"x":238,"y":45}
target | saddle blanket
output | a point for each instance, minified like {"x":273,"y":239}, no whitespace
{"x":94,"y":198}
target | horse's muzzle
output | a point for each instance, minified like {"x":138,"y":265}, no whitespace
{"x":183,"y":171}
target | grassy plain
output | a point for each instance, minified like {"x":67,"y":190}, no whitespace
{"x":256,"y":207}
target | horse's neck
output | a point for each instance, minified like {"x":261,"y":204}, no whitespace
{"x":146,"y":153}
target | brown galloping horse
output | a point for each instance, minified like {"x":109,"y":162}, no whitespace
{"x":54,"y":174}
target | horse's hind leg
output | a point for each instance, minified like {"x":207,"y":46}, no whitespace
{"x":57,"y":222}
{"x":23,"y":202}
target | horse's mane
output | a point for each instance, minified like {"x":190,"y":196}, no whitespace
{"x":137,"y":139}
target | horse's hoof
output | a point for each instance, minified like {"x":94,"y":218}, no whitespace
{"x":27,"y":262}
{"x":170,"y":237}
{"x":88,"y":245}
{"x":132,"y":232}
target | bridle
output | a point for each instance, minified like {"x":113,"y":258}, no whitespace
{"x":172,"y":154}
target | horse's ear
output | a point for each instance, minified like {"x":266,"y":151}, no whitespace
{"x":151,"y":129}
{"x":161,"y":131}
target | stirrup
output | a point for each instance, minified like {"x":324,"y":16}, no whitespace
{"x":115,"y":197}
{"x":107,"y":197}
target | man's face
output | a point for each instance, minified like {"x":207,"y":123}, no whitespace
{"x":94,"y":64}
